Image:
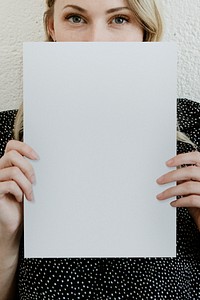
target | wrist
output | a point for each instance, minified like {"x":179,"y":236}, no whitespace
{"x":8,"y":268}
{"x":9,"y":252}
{"x":8,"y":258}
{"x":10,"y":240}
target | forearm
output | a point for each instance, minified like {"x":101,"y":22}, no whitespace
{"x":16,"y":178}
{"x":8,"y":268}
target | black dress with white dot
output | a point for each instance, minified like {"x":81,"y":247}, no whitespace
{"x":120,"y":278}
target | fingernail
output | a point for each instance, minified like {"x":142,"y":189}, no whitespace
{"x":35,"y":155}
{"x":159,"y":196}
{"x":170,"y":161}
{"x":30,"y":198}
{"x":160,"y":179}
{"x":173,"y":204}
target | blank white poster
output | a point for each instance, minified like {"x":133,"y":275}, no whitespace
{"x":102,"y":117}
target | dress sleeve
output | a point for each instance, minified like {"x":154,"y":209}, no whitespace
{"x":6,"y":128}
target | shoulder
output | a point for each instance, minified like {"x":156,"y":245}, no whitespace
{"x":188,"y":112}
{"x":6,"y":127}
{"x":188,"y":118}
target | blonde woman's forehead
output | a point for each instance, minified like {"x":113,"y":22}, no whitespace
{"x":97,"y":5}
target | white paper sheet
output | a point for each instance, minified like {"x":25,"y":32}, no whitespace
{"x":102,"y":117}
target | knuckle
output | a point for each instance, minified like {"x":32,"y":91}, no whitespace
{"x":11,"y":154}
{"x":15,"y":172}
{"x":189,"y":171}
{"x":11,"y":186}
{"x":10,"y":145}
{"x":29,"y":168}
{"x":196,"y":154}
{"x":192,"y":200}
{"x":194,"y":172}
{"x":189,"y":186}
{"x":31,"y":171}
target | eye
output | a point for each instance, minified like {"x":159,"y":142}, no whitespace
{"x":75,"y":19}
{"x":119,"y":20}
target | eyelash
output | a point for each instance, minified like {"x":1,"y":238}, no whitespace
{"x":73,"y":15}
{"x":125,"y":18}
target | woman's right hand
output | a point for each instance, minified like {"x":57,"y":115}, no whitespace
{"x":16,"y":179}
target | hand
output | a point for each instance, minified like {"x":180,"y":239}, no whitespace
{"x":188,"y":183}
{"x":16,"y":179}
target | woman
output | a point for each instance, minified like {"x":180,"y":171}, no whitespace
{"x":177,"y":278}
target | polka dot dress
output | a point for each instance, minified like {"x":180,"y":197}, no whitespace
{"x":124,"y":278}
{"x":6,"y":125}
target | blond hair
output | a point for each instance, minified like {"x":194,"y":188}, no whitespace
{"x":149,"y":17}
{"x":18,"y":125}
{"x":147,"y":14}
{"x":182,"y":137}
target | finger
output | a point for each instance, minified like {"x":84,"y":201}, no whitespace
{"x":190,"y":158}
{"x":189,"y":201}
{"x":187,"y":173}
{"x":22,"y":148}
{"x":15,"y":174}
{"x":13,"y":158}
{"x":187,"y":188}
{"x":11,"y":187}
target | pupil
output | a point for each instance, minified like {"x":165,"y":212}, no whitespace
{"x":119,"y":20}
{"x":76,"y":19}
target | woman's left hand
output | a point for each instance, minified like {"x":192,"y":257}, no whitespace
{"x":188,"y":183}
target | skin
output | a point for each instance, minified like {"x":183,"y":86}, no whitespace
{"x":188,"y":183}
{"x":94,"y":23}
{"x":86,"y":20}
{"x":16,"y":179}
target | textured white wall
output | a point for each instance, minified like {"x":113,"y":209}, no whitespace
{"x":21,"y":20}
{"x":182,"y":24}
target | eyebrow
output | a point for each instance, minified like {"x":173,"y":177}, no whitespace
{"x":85,"y":11}
{"x":75,"y":7}
{"x":116,"y":9}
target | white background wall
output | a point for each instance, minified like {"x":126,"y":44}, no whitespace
{"x":22,"y":20}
